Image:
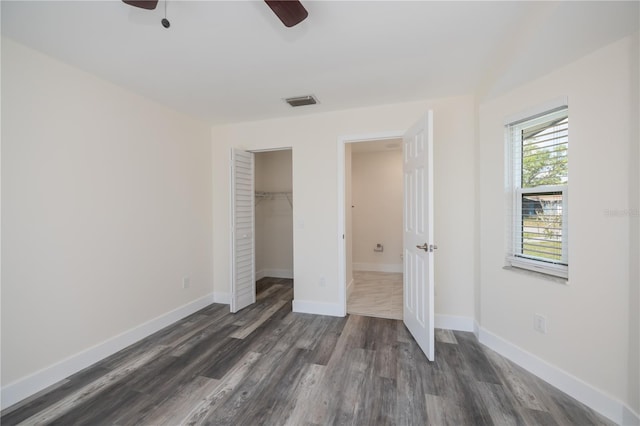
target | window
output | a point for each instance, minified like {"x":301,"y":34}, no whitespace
{"x":539,"y":192}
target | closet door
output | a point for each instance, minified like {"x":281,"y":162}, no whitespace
{"x":243,"y":276}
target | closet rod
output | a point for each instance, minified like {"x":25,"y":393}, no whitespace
{"x":267,"y":195}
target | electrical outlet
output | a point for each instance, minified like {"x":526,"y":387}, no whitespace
{"x":540,"y":323}
{"x":186,"y":282}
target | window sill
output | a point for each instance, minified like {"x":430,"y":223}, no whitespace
{"x":536,"y":274}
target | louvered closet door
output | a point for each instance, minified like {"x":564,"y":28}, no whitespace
{"x":243,"y":290}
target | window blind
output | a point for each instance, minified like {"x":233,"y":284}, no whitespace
{"x":538,"y":176}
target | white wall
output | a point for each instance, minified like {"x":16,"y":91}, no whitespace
{"x":106,"y":206}
{"x":588,"y":318}
{"x":274,"y":217}
{"x":377,"y":212}
{"x":315,"y":216}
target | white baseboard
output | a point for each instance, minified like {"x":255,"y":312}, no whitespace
{"x":274,"y":273}
{"x":566,"y":382}
{"x":221,"y":297}
{"x":318,"y":308}
{"x":378,"y":267}
{"x":452,"y":322}
{"x":27,"y":386}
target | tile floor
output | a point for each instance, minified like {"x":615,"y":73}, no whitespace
{"x":376,"y":294}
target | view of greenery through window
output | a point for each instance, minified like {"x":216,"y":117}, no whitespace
{"x":544,"y":163}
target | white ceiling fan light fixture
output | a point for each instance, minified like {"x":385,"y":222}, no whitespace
{"x":290,"y":12}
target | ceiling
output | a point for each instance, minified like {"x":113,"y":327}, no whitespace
{"x":231,"y":61}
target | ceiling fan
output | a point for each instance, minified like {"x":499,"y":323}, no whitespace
{"x":290,"y":12}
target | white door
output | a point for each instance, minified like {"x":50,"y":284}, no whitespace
{"x":418,"y":233}
{"x":243,"y":275}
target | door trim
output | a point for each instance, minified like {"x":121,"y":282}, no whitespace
{"x":342,"y":249}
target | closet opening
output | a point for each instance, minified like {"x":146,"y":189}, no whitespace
{"x":374,"y":196}
{"x":274,"y":226}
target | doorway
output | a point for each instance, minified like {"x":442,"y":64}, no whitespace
{"x":261,"y":225}
{"x":374,"y":203}
{"x":273,"y":223}
{"x":417,"y":243}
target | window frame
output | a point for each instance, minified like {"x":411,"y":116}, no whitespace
{"x":515,"y":258}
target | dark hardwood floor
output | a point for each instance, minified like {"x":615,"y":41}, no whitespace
{"x":268,"y":366}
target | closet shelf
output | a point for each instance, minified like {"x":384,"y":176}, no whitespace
{"x":265,"y":195}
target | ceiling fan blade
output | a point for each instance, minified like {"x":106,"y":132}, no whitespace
{"x":142,"y":4}
{"x":290,"y":12}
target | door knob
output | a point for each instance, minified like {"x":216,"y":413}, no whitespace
{"x":424,"y":247}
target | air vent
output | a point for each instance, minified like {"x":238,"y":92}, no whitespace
{"x":301,"y":101}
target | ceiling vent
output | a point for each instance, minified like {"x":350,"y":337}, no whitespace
{"x":301,"y":101}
